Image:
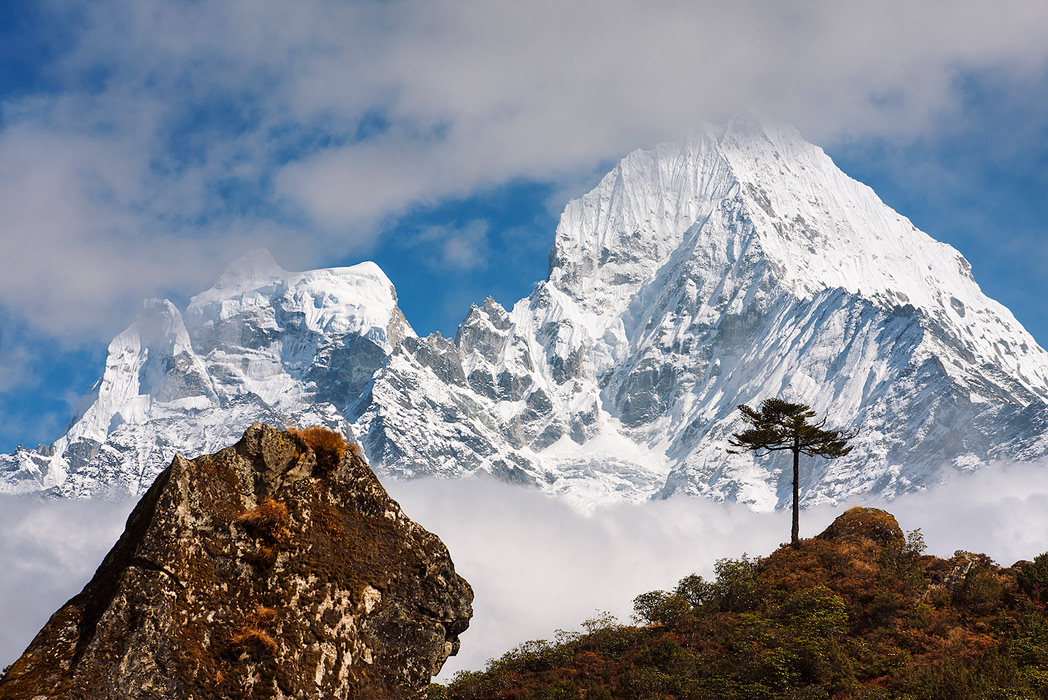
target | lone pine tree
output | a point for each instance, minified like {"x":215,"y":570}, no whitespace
{"x":781,"y":425}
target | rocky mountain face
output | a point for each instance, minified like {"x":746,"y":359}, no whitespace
{"x":730,"y":267}
{"x":275,"y":568}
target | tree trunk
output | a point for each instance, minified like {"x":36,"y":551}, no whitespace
{"x":795,"y":541}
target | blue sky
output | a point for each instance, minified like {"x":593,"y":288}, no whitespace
{"x":144,"y":144}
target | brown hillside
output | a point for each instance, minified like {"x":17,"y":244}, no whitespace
{"x":857,"y":612}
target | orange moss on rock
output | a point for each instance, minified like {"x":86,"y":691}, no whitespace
{"x":329,"y":446}
{"x":268,"y":521}
{"x":254,"y":642}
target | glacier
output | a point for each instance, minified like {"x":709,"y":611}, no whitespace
{"x":732,"y":266}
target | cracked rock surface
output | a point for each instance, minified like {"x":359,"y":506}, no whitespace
{"x":276,"y":568}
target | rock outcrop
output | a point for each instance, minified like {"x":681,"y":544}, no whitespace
{"x":277,"y":568}
{"x":858,"y":524}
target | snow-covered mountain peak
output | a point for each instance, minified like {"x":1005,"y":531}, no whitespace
{"x":613,"y":239}
{"x":732,"y":266}
{"x":159,"y":324}
{"x":149,"y":363}
{"x":359,"y":299}
{"x":262,"y":344}
{"x":821,"y":230}
{"x":818,"y":228}
{"x":728,"y":208}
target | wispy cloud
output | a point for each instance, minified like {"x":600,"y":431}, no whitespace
{"x":456,"y":248}
{"x":48,"y":552}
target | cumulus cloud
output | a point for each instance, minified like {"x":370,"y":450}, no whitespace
{"x":170,"y":137}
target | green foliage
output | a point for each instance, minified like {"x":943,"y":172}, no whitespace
{"x":914,"y":543}
{"x":695,"y":590}
{"x":737,"y":587}
{"x":781,"y":425}
{"x":660,"y":608}
{"x":1033,"y":578}
{"x":902,"y":562}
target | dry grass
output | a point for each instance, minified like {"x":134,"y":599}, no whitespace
{"x":329,"y":446}
{"x":254,"y":641}
{"x":264,"y":616}
{"x":269,"y":520}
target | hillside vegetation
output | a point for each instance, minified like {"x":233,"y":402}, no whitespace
{"x":856,"y":612}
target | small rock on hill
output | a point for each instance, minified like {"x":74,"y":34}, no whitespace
{"x":859,"y":523}
{"x":277,"y":568}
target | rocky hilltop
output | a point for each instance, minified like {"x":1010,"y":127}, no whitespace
{"x":275,"y":568}
{"x":735,"y":265}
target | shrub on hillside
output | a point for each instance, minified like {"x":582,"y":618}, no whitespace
{"x":1033,"y":578}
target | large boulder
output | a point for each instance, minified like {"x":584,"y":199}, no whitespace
{"x":277,"y":568}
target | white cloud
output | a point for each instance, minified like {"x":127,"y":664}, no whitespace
{"x":171,"y":137}
{"x":536,"y":565}
{"x":48,"y":552}
{"x":456,"y":248}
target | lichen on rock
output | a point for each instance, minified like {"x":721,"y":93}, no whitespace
{"x":277,"y":568}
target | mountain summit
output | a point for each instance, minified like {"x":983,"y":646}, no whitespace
{"x":733,"y":266}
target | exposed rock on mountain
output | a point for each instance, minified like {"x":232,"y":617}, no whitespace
{"x":276,"y":568}
{"x":733,"y":266}
{"x":858,"y":524}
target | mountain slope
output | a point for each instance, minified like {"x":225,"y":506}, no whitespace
{"x":735,"y":265}
{"x":857,"y":612}
{"x":263,"y":344}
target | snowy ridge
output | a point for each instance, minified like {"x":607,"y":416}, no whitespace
{"x":262,"y":344}
{"x":732,"y":266}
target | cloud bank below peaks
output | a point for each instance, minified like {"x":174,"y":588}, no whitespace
{"x":537,"y":565}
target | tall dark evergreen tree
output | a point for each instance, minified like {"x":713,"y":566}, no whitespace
{"x":781,"y":425}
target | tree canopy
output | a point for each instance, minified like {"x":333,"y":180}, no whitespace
{"x":782,"y":425}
